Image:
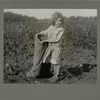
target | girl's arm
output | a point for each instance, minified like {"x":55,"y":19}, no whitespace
{"x":45,"y":32}
{"x":42,"y":35}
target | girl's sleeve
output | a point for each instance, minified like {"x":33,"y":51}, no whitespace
{"x":45,"y":32}
{"x":58,"y":36}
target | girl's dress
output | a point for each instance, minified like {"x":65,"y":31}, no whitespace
{"x":53,"y":51}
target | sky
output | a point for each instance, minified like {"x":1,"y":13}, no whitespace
{"x":46,"y":13}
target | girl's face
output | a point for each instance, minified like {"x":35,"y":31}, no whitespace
{"x":58,"y":22}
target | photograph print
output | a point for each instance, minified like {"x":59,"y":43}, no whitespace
{"x":50,"y":46}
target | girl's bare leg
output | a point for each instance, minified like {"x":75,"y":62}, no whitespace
{"x":56,"y":68}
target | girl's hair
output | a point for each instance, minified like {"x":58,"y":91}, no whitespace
{"x":55,"y":16}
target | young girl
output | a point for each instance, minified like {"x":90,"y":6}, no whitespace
{"x":54,"y":37}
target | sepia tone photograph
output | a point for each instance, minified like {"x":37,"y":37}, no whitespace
{"x":50,"y":46}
